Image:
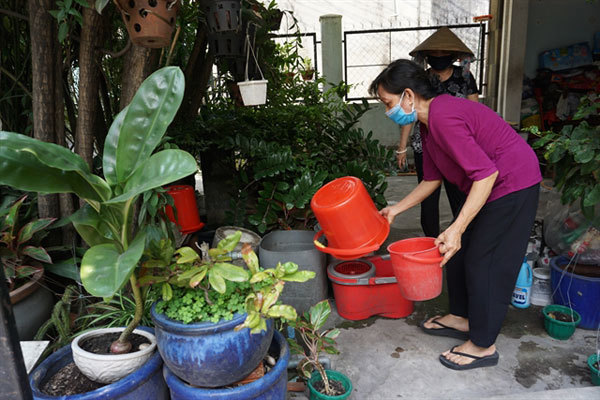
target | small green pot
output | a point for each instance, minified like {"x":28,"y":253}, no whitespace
{"x":559,"y":329}
{"x":331,"y":375}
{"x":594,"y":371}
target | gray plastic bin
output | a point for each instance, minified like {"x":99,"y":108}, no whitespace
{"x":297,"y":247}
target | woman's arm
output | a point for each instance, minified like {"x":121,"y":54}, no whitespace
{"x":404,"y":134}
{"x":473,"y":97}
{"x":418,"y":194}
{"x":449,"y":241}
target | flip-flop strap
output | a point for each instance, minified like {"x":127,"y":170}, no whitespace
{"x":435,"y":321}
{"x":464,"y":354}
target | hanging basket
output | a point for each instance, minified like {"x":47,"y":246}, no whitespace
{"x":253,"y":93}
{"x":149,"y":23}
{"x":224,"y":15}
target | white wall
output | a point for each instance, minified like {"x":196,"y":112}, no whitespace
{"x":558,"y":23}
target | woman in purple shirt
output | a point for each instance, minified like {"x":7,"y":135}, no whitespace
{"x":471,"y":146}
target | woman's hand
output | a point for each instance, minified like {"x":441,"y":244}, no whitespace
{"x":401,"y":160}
{"x":389,"y":213}
{"x":449,"y":242}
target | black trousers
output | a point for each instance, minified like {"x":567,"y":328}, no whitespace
{"x":430,"y":207}
{"x":481,"y":276}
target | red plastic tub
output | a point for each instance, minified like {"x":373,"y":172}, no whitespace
{"x":416,"y":263}
{"x":348,"y":219}
{"x":367,"y":287}
{"x":188,"y":219}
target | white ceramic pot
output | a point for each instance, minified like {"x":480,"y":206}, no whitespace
{"x":108,"y":368}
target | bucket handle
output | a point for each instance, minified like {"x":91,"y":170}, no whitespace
{"x":342,"y":252}
{"x":421,"y":260}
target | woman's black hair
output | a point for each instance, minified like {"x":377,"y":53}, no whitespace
{"x":402,"y":74}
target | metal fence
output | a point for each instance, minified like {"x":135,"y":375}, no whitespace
{"x":368,"y":52}
{"x":308,"y":48}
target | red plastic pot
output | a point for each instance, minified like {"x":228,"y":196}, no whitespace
{"x":348,"y":218}
{"x":188,"y":219}
{"x":416,"y":264}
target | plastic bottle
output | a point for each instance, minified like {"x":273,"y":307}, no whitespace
{"x":521,"y":296}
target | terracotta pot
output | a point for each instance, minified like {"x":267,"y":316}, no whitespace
{"x":149,"y":23}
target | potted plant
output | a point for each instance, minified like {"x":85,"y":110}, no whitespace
{"x":215,"y":321}
{"x":130,"y":169}
{"x":322,"y":383}
{"x":560,"y":321}
{"x":574,"y":157}
{"x":20,"y":256}
{"x":307,"y":69}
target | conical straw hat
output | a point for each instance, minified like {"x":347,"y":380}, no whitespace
{"x":443,"y":39}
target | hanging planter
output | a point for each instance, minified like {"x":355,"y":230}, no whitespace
{"x":560,"y":321}
{"x":253,"y":93}
{"x":149,"y":23}
{"x":228,"y":44}
{"x":224,"y":15}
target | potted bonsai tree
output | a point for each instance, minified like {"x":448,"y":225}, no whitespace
{"x":215,"y":321}
{"x":105,"y":222}
{"x":21,"y":256}
{"x":322,"y":383}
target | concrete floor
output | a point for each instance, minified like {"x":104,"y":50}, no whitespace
{"x":392,"y":358}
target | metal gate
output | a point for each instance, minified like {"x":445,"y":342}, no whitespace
{"x":368,"y":52}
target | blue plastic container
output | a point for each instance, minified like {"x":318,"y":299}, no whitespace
{"x":210,"y":355}
{"x":582,"y":292}
{"x":521,"y":297}
{"x":147,"y":382}
{"x":272,"y":386}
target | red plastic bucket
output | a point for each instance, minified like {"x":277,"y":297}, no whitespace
{"x":416,"y":264}
{"x":348,"y":218}
{"x":188,"y":220}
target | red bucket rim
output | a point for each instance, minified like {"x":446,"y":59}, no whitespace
{"x":419,"y":239}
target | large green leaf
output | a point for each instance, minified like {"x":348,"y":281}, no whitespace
{"x":36,"y":166}
{"x":149,"y":114}
{"x":90,"y":226}
{"x":162,"y":168}
{"x":104,"y":269}
{"x":109,"y":158}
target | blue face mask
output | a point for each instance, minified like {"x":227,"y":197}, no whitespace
{"x":399,"y":116}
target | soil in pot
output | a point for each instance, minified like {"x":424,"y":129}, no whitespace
{"x":336,"y":386}
{"x":596,"y":365}
{"x":101,"y":344}
{"x":560,"y":316}
{"x":69,"y":381}
{"x":591,"y":271}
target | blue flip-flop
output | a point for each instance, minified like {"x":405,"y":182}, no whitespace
{"x":478,"y":362}
{"x":444,"y":330}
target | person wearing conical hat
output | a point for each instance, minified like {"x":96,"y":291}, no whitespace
{"x":440,"y":51}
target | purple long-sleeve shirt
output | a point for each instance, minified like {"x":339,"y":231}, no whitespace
{"x":467,"y":141}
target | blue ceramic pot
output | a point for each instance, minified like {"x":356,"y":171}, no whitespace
{"x":272,"y":386}
{"x":210,"y":355}
{"x":146,"y":382}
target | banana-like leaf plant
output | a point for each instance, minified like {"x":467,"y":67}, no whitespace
{"x":130,"y":169}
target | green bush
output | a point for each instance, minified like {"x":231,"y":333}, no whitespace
{"x":283,"y":152}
